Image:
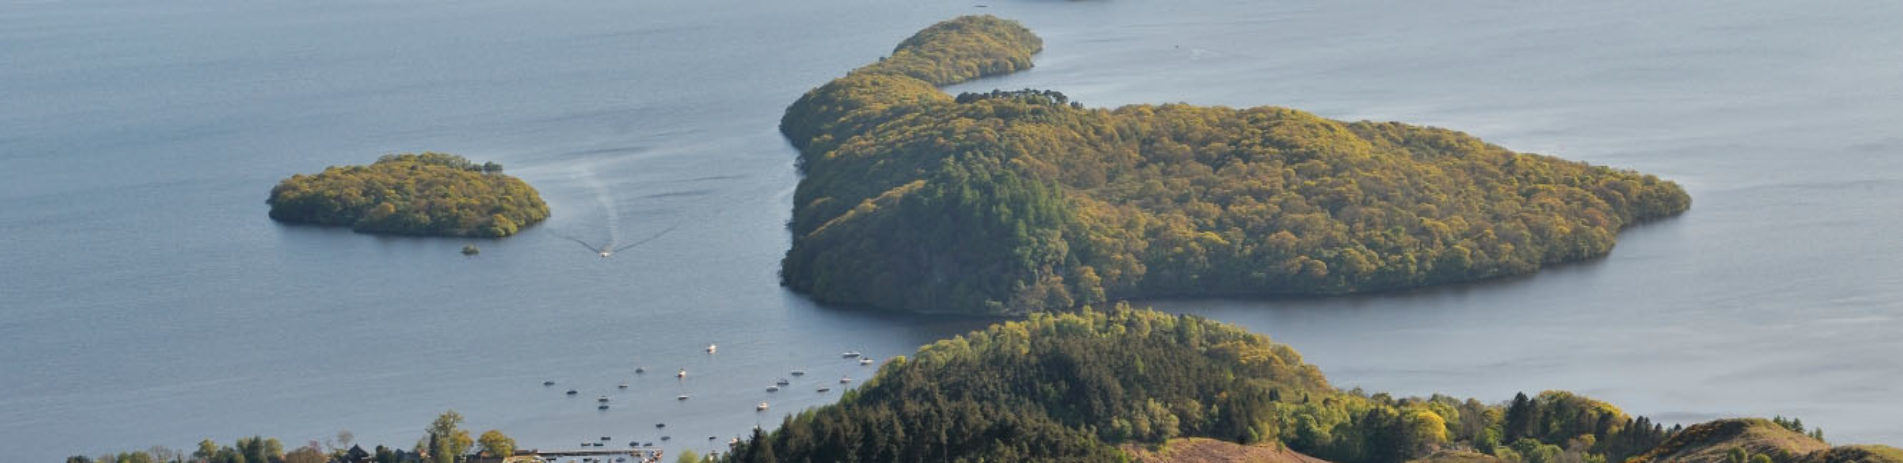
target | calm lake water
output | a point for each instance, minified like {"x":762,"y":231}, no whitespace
{"x":148,"y":300}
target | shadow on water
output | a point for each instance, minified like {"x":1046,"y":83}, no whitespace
{"x":1371,"y":298}
{"x":1633,"y":235}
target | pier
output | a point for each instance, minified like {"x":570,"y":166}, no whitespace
{"x":646,"y":454}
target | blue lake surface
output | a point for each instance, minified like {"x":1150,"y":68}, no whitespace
{"x":145,"y":299}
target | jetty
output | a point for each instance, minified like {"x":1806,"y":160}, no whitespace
{"x":607,"y":455}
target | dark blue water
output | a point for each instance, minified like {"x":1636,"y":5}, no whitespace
{"x":147,"y":299}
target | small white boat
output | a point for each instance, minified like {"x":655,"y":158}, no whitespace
{"x":865,"y":360}
{"x":681,"y":397}
{"x":849,"y":354}
{"x":825,"y":389}
{"x":761,"y":407}
{"x":681,"y":374}
{"x":711,"y":348}
{"x":844,"y":380}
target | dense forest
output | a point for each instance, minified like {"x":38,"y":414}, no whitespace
{"x":1019,"y":201}
{"x":1088,"y":386}
{"x":412,"y":194}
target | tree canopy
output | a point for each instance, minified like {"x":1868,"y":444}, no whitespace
{"x":1018,"y":201}
{"x":445,"y":440}
{"x":412,"y":194}
{"x":1074,"y":386}
{"x":496,"y":444}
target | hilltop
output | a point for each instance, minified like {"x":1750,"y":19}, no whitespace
{"x":1124,"y":384}
{"x":1019,"y":201}
{"x":1760,"y":440}
{"x":412,"y":194}
{"x":1141,"y":385}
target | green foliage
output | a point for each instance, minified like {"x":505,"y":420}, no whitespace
{"x":254,"y":449}
{"x":688,"y":456}
{"x":496,"y":444}
{"x":1073,"y":386}
{"x":306,"y":454}
{"x":412,"y":194}
{"x":446,"y":439}
{"x":1032,"y":202}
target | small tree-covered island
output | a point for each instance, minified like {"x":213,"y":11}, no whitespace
{"x":431,"y":194}
{"x":1020,"y":201}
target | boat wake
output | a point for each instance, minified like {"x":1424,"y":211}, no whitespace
{"x":608,"y":250}
{"x":607,"y":203}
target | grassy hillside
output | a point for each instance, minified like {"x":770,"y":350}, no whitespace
{"x":1746,"y":440}
{"x":1204,"y":450}
{"x":1713,"y":442}
{"x":1856,"y":454}
{"x":1024,"y":200}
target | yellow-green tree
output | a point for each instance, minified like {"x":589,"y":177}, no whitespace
{"x":687,"y":456}
{"x":446,"y":439}
{"x":496,"y":444}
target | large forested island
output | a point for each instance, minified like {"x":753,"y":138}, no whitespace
{"x":1139,"y":384}
{"x":412,"y":194}
{"x":1019,"y":201}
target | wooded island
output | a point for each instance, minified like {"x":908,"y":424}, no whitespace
{"x":431,"y":194}
{"x":1020,"y":201}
